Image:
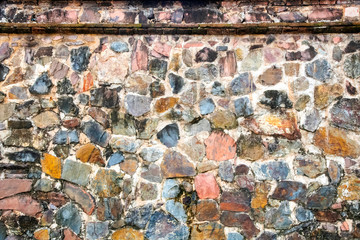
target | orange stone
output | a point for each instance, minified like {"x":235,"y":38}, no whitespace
{"x":90,"y":153}
{"x":220,"y":147}
{"x":42,"y":234}
{"x":334,"y":141}
{"x":349,"y":189}
{"x":260,"y":199}
{"x":88,"y":82}
{"x":51,"y":165}
{"x":164,"y":104}
{"x":206,"y":186}
{"x":127,"y":234}
{"x":129,"y":166}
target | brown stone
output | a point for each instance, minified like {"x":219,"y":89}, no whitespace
{"x":99,"y":115}
{"x":208,"y":231}
{"x":327,"y":216}
{"x":220,"y":147}
{"x":223,"y":119}
{"x":246,"y":182}
{"x":260,"y":198}
{"x":90,"y":153}
{"x":349,"y":188}
{"x":51,"y":165}
{"x":334,"y":141}
{"x":70,"y":235}
{"x":206,"y":166}
{"x":138,"y":84}
{"x":194,"y":148}
{"x":21,"y":203}
{"x":10,"y":187}
{"x":58,"y":199}
{"x":164,"y":104}
{"x":175,"y":63}
{"x":80,"y":196}
{"x":106,"y":183}
{"x":129,"y":166}
{"x":71,"y":123}
{"x":292,"y":69}
{"x":236,"y":219}
{"x":127,"y":234}
{"x":207,"y":210}
{"x":235,"y":201}
{"x":325,"y":94}
{"x":302,"y":102}
{"x":109,"y":209}
{"x":157,"y":89}
{"x":206,"y":186}
{"x":271,"y":76}
{"x":228,"y":65}
{"x":250,"y":147}
{"x":46,"y":119}
{"x":175,"y":164}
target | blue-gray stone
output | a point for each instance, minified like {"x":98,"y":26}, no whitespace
{"x":84,"y":99}
{"x":311,"y":121}
{"x":43,"y":185}
{"x":169,"y":135}
{"x":76,"y":172}
{"x":2,"y":231}
{"x":322,"y":198}
{"x":207,"y":106}
{"x":158,"y":68}
{"x":69,"y":216}
{"x":151,"y":154}
{"x":289,"y":190}
{"x":267,"y":236}
{"x":303,"y":215}
{"x":279,"y":218}
{"x":26,"y":155}
{"x":137,"y":105}
{"x":226,"y":171}
{"x":235,"y":236}
{"x":218,"y":89}
{"x":319,"y":69}
{"x":4,"y":71}
{"x":243,"y":107}
{"x":115,"y":158}
{"x":65,"y":87}
{"x":139,"y":216}
{"x":119,"y":46}
{"x":171,"y":189}
{"x":19,"y":92}
{"x":174,"y":229}
{"x":66,"y":105}
{"x":273,"y":170}
{"x":42,"y":85}
{"x":176,"y":83}
{"x":221,"y":48}
{"x":60,"y":137}
{"x":73,"y":136}
{"x":241,"y":85}
{"x":177,"y":210}
{"x":80,"y":58}
{"x":208,"y":72}
{"x":96,"y":133}
{"x":97,"y":230}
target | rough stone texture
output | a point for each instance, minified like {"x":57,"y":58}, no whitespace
{"x":220,"y":147}
{"x":176,"y":165}
{"x":206,"y":186}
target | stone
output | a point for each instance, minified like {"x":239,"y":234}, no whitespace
{"x":238,"y":201}
{"x":311,"y":121}
{"x":272,"y":170}
{"x":97,"y":230}
{"x":129,"y":166}
{"x":42,"y":85}
{"x":152,"y":174}
{"x":175,"y":164}
{"x":4,"y":71}
{"x":292,"y":69}
{"x":322,"y":14}
{"x":95,"y":132}
{"x":250,"y":147}
{"x":187,"y":57}
{"x":80,"y":58}
{"x":18,"y":93}
{"x":228,"y":64}
{"x":260,"y":198}
{"x":319,"y":69}
{"x":139,"y":56}
{"x":327,"y":216}
{"x":158,"y":68}
{"x":334,"y":171}
{"x":58,"y":70}
{"x":279,"y":218}
{"x":201,"y":126}
{"x":309,"y":165}
{"x":10,"y":187}
{"x":252,"y":61}
{"x":171,"y":189}
{"x":70,"y":235}
{"x":176,"y":83}
{"x":352,"y":47}
{"x":151,"y":154}
{"x":235,"y":236}
{"x":89,"y":153}
{"x":325,"y":94}
{"x":242,"y":85}
{"x":334,"y":141}
{"x":69,"y":216}
{"x":349,"y":189}
{"x":123,"y":124}
{"x":62,"y":52}
{"x":42,"y":234}
{"x":84,"y":99}
{"x":206,"y":55}
{"x":276,"y":99}
{"x":127,"y":234}
{"x":169,"y":135}
{"x":146,"y":128}
{"x":104,"y":97}
{"x":241,"y":169}
{"x":337,"y":53}
{"x":177,"y":210}
{"x":65,"y":137}
{"x":65,"y":87}
{"x":119,"y":47}
{"x":206,"y":186}
{"x":148,"y":191}
{"x":125,"y":144}
{"x":207,"y":106}
{"x":20,"y":138}
{"x":76,"y":172}
{"x":67,"y":106}
{"x":322,"y":198}
{"x":220,"y":147}
{"x":26,"y":155}
{"x":162,"y":48}
{"x":43,"y":185}
{"x":137,"y":105}
{"x":164,"y":104}
{"x":175,"y":63}
{"x":138,"y":84}
{"x":241,"y":220}
{"x":115,"y":159}
{"x":209,"y":230}
{"x":165,"y":226}
{"x":345,"y":112}
{"x":226,"y":171}
{"x":246,"y":182}
{"x":6,"y":111}
{"x":289,"y":190}
{"x":106,"y":183}
{"x":99,"y":115}
{"x":218,"y":89}
{"x":275,"y":124}
{"x":2,"y":96}
{"x":21,"y":203}
{"x":196,"y":15}
{"x":271,"y":76}
{"x":224,"y":119}
{"x":80,"y":196}
{"x":303,"y":215}
{"x":139,"y":216}
{"x":51,"y":165}
{"x":350,"y":88}
{"x":193,"y":148}
{"x":207,"y":210}
{"x":5,"y":51}
{"x":157,"y":89}
{"x":306,"y":55}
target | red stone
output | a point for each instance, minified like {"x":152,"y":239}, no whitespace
{"x":55,"y":198}
{"x":162,"y":48}
{"x":220,"y":147}
{"x":206,"y":186}
{"x":22,"y":203}
{"x":71,"y":123}
{"x":88,"y":82}
{"x":228,"y":65}
{"x":139,"y":57}
{"x":325,"y":14}
{"x":70,"y":235}
{"x":235,"y":201}
{"x":80,"y":196}
{"x":193,"y":44}
{"x":10,"y":187}
{"x":235,"y":219}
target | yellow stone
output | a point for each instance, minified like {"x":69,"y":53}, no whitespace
{"x":164,"y":104}
{"x":84,"y":152}
{"x":51,"y":165}
{"x":41,"y":234}
{"x":239,"y":54}
{"x":127,"y":234}
{"x":349,"y":189}
{"x":261,"y":191}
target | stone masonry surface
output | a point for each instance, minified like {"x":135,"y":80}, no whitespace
{"x":179,"y":137}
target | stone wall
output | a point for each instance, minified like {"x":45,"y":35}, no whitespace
{"x":179,"y":137}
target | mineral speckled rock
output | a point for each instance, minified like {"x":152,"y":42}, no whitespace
{"x":218,"y":89}
{"x":319,"y":69}
{"x":96,"y":230}
{"x":26,"y":155}
{"x":271,"y":76}
{"x":65,"y":87}
{"x":42,"y":85}
{"x":226,"y":171}
{"x":119,"y":46}
{"x":241,"y":85}
{"x":175,"y":164}
{"x":276,"y":99}
{"x":303,"y":215}
{"x":206,"y":55}
{"x":76,"y":172}
{"x":171,"y":189}
{"x":309,"y":165}
{"x":5,"y":51}
{"x":169,"y":135}
{"x":80,"y":196}
{"x":137,"y":105}
{"x":345,"y":114}
{"x":240,"y":220}
{"x":322,"y":198}
{"x":279,"y":218}
{"x":289,"y":190}
{"x":139,"y":216}
{"x":69,"y":216}
{"x":311,"y":120}
{"x":96,"y":133}
{"x":351,"y":66}
{"x":207,"y":106}
{"x":176,"y":83}
{"x":209,"y":230}
{"x":220,"y":147}
{"x":80,"y":59}
{"x":177,"y":210}
{"x":243,"y":107}
{"x":4,"y":71}
{"x":158,"y":68}
{"x":277,"y":170}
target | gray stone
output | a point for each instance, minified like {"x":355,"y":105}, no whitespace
{"x":206,"y":55}
{"x":152,"y":173}
{"x":176,"y":83}
{"x":123,"y":124}
{"x":146,"y":128}
{"x":201,"y":126}
{"x":276,"y":99}
{"x":171,"y":189}
{"x":151,"y":154}
{"x":311,"y":121}
{"x":42,"y":85}
{"x":194,"y":148}
{"x":139,"y":216}
{"x":226,"y":171}
{"x":66,"y":105}
{"x":3,"y":233}
{"x":125,"y":144}
{"x":169,"y":135}
{"x":115,"y":158}
{"x":158,"y":68}
{"x":4,"y":71}
{"x":352,"y":66}
{"x":303,"y":215}
{"x":252,"y":61}
{"x":241,"y":85}
{"x":43,"y":185}
{"x":6,"y":111}
{"x":272,"y":170}
{"x":76,"y":172}
{"x":104,"y":97}
{"x":5,"y":51}
{"x":26,"y":155}
{"x":119,"y":46}
{"x":80,"y":58}
{"x":148,"y":191}
{"x":319,"y":69}
{"x":235,"y":236}
{"x":65,"y":87}
{"x":243,"y":107}
{"x":207,"y":106}
{"x":346,"y":114}
{"x":218,"y":89}
{"x":279,"y":218}
{"x":69,"y":216}
{"x":337,"y":53}
{"x":95,"y":132}
{"x":97,"y":230}
{"x":177,"y":210}
{"x":137,"y":105}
